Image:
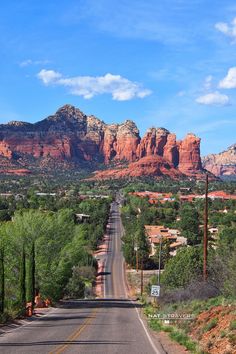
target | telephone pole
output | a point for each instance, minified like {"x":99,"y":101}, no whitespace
{"x":205,"y":240}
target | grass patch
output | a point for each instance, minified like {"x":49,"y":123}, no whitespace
{"x":232,"y":325}
{"x":184,"y":340}
{"x":223,"y":334}
{"x":176,"y":335}
{"x":212,"y":324}
{"x":232,"y":339}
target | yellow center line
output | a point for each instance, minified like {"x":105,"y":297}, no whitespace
{"x":75,"y":334}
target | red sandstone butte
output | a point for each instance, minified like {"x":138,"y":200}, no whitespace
{"x":71,"y":138}
{"x":153,"y":166}
{"x":189,"y":155}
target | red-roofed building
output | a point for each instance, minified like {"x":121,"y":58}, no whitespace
{"x":155,"y":197}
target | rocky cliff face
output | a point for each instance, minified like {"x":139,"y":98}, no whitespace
{"x":189,"y":155}
{"x":71,"y":136}
{"x":222,"y":164}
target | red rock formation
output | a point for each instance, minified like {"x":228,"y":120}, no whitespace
{"x":20,"y":172}
{"x":120,"y":142}
{"x":171,"y":152}
{"x":153,"y":142}
{"x":189,"y":155}
{"x":153,"y":166}
{"x":222,"y":164}
{"x":37,"y":146}
{"x":71,"y":138}
{"x":5,"y":150}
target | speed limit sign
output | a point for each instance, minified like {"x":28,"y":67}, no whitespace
{"x":155,"y":290}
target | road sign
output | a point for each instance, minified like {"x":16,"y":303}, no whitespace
{"x":155,"y":290}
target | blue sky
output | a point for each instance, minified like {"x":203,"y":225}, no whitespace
{"x":166,"y":63}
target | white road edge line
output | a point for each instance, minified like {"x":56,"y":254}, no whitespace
{"x":146,"y":331}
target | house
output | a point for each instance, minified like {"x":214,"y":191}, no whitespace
{"x":221,"y":195}
{"x":188,"y":198}
{"x":157,"y":233}
{"x":211,"y":195}
{"x":42,"y":194}
{"x":82,"y":217}
{"x":155,"y":197}
{"x":6,"y":195}
{"x":213,"y":231}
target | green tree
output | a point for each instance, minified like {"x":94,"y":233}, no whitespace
{"x":31,"y":274}
{"x":189,"y":224}
{"x":142,"y":243}
{"x":165,"y":253}
{"x":185,"y":267}
{"x":22,"y":278}
{"x":2,"y":279}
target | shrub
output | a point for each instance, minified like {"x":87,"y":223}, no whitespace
{"x":232,"y":325}
{"x":212,"y":324}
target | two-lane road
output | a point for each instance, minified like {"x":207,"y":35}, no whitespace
{"x":109,"y":325}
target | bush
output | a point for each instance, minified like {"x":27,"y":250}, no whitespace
{"x":212,"y":324}
{"x":232,"y":325}
{"x":182,"y":269}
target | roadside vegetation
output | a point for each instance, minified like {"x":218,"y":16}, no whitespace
{"x":45,"y":249}
{"x":212,"y":303}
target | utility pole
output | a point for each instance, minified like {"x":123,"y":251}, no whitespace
{"x":137,"y":259}
{"x":136,"y":255}
{"x":205,"y":240}
{"x":159,"y":269}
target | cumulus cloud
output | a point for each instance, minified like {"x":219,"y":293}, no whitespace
{"x":227,"y":29}
{"x":49,"y":76}
{"x":229,"y":81}
{"x":214,"y":99}
{"x":119,"y":87}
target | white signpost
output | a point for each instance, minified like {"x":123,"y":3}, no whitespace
{"x":155,"y":290}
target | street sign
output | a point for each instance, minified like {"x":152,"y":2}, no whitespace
{"x":155,"y":290}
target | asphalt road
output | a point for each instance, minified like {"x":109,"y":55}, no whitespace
{"x":109,"y":325}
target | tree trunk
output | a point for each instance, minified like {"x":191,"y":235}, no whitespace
{"x":2,"y":281}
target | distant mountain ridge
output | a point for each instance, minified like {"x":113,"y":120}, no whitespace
{"x":69,"y":138}
{"x":222,"y":164}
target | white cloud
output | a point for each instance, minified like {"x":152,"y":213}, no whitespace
{"x":29,"y":62}
{"x":49,"y":76}
{"x":119,"y":87}
{"x":208,"y":82}
{"x":26,"y":62}
{"x":227,"y":29}
{"x":214,"y":99}
{"x":229,"y":81}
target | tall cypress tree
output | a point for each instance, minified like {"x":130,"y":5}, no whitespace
{"x":31,"y":278}
{"x":2,"y":281}
{"x":22,"y":280}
